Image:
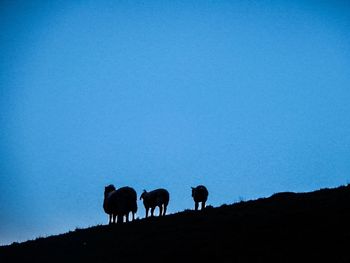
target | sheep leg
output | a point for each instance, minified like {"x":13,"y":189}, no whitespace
{"x":133,"y":216}
{"x":152,"y":210}
{"x":114,"y":217}
{"x":127,"y":217}
{"x":147,"y":212}
{"x":196,"y":206}
{"x":110,"y":219}
{"x":203,"y":205}
{"x":164,"y":211}
{"x":160,"y":210}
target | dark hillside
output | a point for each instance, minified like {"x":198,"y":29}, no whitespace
{"x":286,"y":227}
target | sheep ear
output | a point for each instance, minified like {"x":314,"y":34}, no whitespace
{"x":192,"y":188}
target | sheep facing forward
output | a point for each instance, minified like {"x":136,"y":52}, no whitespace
{"x":120,"y":202}
{"x":109,"y":190}
{"x":199,"y":194}
{"x":158,"y":197}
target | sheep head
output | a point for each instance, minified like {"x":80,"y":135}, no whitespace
{"x":109,"y":188}
{"x":193,"y":191}
{"x":143,"y":194}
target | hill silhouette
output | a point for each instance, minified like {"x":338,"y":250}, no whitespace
{"x":286,"y":227}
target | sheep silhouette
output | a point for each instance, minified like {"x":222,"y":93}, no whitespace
{"x":120,"y":202}
{"x":199,"y":194}
{"x":158,"y":197}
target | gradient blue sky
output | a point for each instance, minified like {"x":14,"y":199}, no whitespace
{"x":247,"y":97}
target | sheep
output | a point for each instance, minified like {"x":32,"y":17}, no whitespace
{"x":120,"y":202}
{"x":199,"y":194}
{"x":158,"y":197}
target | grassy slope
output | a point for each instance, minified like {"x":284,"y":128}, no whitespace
{"x":286,"y":227}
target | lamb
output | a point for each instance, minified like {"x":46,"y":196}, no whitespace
{"x":158,"y":197}
{"x":199,"y":194}
{"x":120,"y":202}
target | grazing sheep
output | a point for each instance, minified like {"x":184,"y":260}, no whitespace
{"x":152,"y":199}
{"x":119,"y":203}
{"x":199,"y":194}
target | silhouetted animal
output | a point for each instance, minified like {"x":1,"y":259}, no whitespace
{"x":158,"y":197}
{"x":120,"y":202}
{"x":199,"y":194}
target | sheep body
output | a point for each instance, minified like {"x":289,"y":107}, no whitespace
{"x":200,"y":195}
{"x":158,"y":197}
{"x":119,"y":203}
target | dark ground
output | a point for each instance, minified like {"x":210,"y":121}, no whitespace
{"x":286,"y":227}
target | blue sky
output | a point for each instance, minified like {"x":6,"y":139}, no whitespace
{"x":248,"y":98}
